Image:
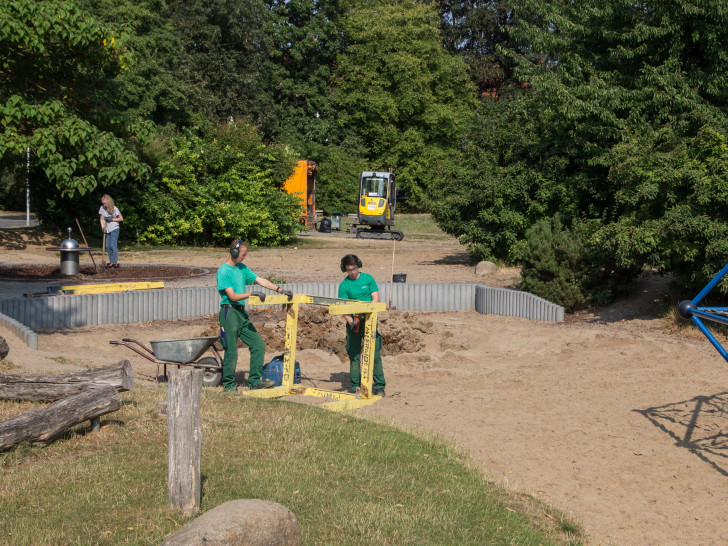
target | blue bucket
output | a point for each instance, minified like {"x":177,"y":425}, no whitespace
{"x":273,"y":371}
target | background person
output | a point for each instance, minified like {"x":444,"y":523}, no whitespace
{"x":361,"y":287}
{"x":109,"y":218}
{"x":232,"y":278}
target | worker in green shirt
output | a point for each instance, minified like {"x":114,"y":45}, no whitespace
{"x":361,"y":287}
{"x":232,"y":278}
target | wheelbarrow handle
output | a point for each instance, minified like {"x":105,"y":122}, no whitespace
{"x":146,"y":353}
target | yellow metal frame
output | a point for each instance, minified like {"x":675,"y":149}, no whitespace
{"x":341,"y":401}
{"x":109,"y":287}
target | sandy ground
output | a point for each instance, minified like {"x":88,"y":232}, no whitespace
{"x":612,"y":416}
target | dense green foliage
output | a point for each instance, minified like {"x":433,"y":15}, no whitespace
{"x":496,"y":116}
{"x":405,"y":98}
{"x":216,"y":190}
{"x":57,"y":96}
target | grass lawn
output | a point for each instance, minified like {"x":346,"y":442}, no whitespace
{"x":349,"y":481}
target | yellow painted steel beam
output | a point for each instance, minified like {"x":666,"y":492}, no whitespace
{"x":369,"y":341}
{"x":110,"y":287}
{"x":321,"y":393}
{"x":346,"y":405}
{"x":273,"y":392}
{"x":289,"y":350}
{"x":357,"y":308}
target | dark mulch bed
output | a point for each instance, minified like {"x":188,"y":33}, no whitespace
{"x":87,"y":273}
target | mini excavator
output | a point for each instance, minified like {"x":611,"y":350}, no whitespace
{"x":377,"y":201}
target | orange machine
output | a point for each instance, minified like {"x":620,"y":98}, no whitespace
{"x":303,"y":184}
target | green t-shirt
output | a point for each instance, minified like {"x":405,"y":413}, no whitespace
{"x":235,"y":277}
{"x":359,"y":289}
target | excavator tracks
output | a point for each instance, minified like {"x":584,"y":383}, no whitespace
{"x":389,"y":234}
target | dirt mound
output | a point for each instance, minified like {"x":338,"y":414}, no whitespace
{"x":87,"y":273}
{"x":402,"y":332}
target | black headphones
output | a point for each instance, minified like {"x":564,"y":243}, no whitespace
{"x":343,"y":267}
{"x":235,"y":252}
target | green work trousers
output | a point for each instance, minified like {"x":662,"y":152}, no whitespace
{"x":234,"y":324}
{"x":353,"y":349}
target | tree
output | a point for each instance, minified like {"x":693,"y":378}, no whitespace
{"x":476,"y":30}
{"x":225,"y":56}
{"x":622,"y":128}
{"x":405,"y":98}
{"x":151,"y":88}
{"x":642,"y":90}
{"x":307,"y":41}
{"x":57,"y":87}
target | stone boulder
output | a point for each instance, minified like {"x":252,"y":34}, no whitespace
{"x":246,"y":521}
{"x":4,"y":347}
{"x":485,"y":268}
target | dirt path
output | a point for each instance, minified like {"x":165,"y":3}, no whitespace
{"x":609,"y":416}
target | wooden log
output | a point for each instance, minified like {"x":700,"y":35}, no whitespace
{"x":42,"y":425}
{"x":50,"y":387}
{"x":184,"y":440}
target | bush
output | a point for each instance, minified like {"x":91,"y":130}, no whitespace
{"x":553,"y":264}
{"x":217,"y":189}
{"x":569,"y":266}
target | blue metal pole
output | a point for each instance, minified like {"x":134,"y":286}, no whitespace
{"x":710,"y":285}
{"x":709,"y":316}
{"x":711,"y":338}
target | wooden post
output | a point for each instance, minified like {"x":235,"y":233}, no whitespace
{"x":184,"y":440}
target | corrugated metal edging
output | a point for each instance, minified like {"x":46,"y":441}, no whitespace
{"x":151,"y":305}
{"x":429,"y":296}
{"x":26,"y":335}
{"x":514,"y":303}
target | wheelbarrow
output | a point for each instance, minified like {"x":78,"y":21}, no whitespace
{"x":181,"y":352}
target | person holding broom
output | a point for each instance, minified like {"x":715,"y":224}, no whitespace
{"x":109,"y":218}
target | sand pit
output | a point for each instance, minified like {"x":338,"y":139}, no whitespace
{"x":611,"y":416}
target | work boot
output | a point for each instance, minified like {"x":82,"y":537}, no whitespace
{"x":267,"y":384}
{"x":379,"y":392}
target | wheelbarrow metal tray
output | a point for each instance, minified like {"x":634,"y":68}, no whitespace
{"x":182,"y":351}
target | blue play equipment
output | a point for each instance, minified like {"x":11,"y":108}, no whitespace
{"x":689,"y":309}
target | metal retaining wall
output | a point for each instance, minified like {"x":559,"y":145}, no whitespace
{"x":26,"y":335}
{"x":151,"y":305}
{"x":513,"y":303}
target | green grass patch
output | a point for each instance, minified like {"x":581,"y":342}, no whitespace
{"x":420,"y":226}
{"x":416,"y":227}
{"x":349,"y":481}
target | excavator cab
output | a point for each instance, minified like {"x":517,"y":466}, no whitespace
{"x":377,"y":203}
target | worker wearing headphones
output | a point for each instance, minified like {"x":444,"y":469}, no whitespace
{"x":232,"y":278}
{"x":361,"y":287}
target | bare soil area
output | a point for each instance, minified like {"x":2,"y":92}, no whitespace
{"x":98,"y":273}
{"x":612,"y":416}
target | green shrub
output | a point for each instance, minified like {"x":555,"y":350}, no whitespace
{"x":217,"y":189}
{"x":570,"y":266}
{"x":553,"y":264}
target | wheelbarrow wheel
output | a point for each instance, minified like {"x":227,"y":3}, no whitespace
{"x":211,"y":378}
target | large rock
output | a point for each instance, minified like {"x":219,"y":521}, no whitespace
{"x":4,"y":347}
{"x":485,"y":268}
{"x":246,"y":521}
